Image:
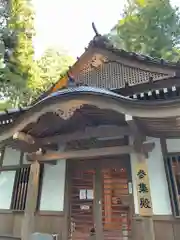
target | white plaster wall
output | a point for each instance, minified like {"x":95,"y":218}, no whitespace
{"x":173,"y":145}
{"x":157,"y":179}
{"x":52,"y":194}
{"x":11,"y":157}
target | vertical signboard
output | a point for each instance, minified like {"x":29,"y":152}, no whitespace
{"x":143,"y":189}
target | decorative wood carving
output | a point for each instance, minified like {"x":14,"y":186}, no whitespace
{"x":98,"y":60}
{"x":100,"y":98}
{"x":67,"y":113}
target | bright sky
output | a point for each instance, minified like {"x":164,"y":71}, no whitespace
{"x":67,"y":23}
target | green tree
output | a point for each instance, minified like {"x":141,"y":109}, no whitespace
{"x":52,"y":65}
{"x":22,"y":59}
{"x":16,"y":50}
{"x":22,"y":78}
{"x":150,"y":27}
{"x":7,"y":43}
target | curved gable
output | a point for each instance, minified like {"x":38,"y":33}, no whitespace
{"x":104,"y":66}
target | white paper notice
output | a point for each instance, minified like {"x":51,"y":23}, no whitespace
{"x":90,"y":194}
{"x":82,"y":194}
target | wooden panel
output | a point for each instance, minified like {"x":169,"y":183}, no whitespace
{"x":137,"y":231}
{"x":17,"y":223}
{"x":10,"y":224}
{"x":6,"y":224}
{"x":49,"y":224}
{"x":176,"y":227}
{"x":8,"y":238}
{"x":163,"y":230}
{"x":167,"y":228}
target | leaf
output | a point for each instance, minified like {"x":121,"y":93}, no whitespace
{"x":150,"y":27}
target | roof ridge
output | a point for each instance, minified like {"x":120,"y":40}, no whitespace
{"x":102,"y":41}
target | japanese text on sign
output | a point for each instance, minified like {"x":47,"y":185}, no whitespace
{"x":141,"y":174}
{"x":143,"y":190}
{"x":145,"y":203}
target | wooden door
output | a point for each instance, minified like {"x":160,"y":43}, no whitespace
{"x":116,"y":201}
{"x":82,"y":200}
{"x":100,"y":202}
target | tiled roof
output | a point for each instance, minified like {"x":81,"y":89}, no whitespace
{"x":156,"y":117}
{"x":103,"y":42}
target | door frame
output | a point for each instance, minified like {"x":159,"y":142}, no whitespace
{"x":67,"y":203}
{"x":97,"y":203}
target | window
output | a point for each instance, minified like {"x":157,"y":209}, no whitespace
{"x":14,"y":178}
{"x":6,"y":188}
{"x":173,"y":172}
{"x":13,"y":188}
{"x":20,"y":188}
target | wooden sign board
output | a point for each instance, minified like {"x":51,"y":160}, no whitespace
{"x":143,"y":189}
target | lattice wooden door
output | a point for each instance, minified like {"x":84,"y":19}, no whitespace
{"x":116,"y":214}
{"x":115,"y":201}
{"x":82,"y":198}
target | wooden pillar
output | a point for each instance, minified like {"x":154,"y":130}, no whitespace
{"x":67,"y":221}
{"x":31,"y":202}
{"x":142,"y":180}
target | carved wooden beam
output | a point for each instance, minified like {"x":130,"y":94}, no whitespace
{"x":24,"y":137}
{"x":88,"y":154}
{"x":90,"y":132}
{"x":103,"y":131}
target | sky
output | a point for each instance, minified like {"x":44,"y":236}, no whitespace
{"x":67,"y":24}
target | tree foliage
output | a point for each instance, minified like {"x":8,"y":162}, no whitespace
{"x":150,"y":27}
{"x":22,"y":59}
{"x":16,"y":50}
{"x":50,"y":67}
{"x":22,"y":78}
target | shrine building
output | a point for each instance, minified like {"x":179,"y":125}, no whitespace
{"x":97,"y":156}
